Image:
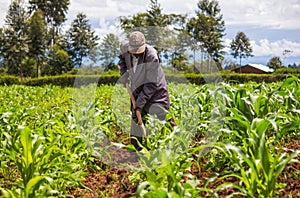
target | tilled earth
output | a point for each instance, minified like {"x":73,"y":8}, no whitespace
{"x":113,"y":181}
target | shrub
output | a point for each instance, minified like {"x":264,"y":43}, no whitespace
{"x":8,"y":80}
{"x":285,"y":70}
{"x":70,"y":80}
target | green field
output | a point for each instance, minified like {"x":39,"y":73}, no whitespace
{"x":231,"y":139}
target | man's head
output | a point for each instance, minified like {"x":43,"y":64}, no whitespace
{"x":137,"y":43}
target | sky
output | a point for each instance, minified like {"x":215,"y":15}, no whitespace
{"x":271,"y":25}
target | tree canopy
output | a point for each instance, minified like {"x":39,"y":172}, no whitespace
{"x":15,"y":40}
{"x":208,"y":28}
{"x":55,"y":12}
{"x":275,"y":62}
{"x":37,"y":38}
{"x":109,"y":50}
{"x":241,"y":46}
{"x":153,"y":23}
{"x":81,"y":39}
{"x":33,"y":32}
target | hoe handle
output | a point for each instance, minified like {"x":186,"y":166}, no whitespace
{"x":138,"y":113}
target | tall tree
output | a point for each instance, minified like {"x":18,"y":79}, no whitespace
{"x":177,"y":44}
{"x":153,"y":23}
{"x":58,"y":61}
{"x":109,"y":50}
{"x":81,"y":39}
{"x":275,"y":62}
{"x":37,"y":38}
{"x":241,"y":46}
{"x":208,"y":28}
{"x":15,"y":40}
{"x":55,"y":12}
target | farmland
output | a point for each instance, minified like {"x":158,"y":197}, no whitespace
{"x":231,"y":139}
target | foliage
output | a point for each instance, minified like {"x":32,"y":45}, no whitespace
{"x":275,"y":63}
{"x":294,"y":66}
{"x":29,"y":67}
{"x":8,"y":80}
{"x":80,"y":39}
{"x":45,"y":150}
{"x":37,"y":39}
{"x":207,"y":29}
{"x":112,"y":77}
{"x":241,"y":46}
{"x":54,"y":11}
{"x":15,"y":40}
{"x":69,"y":80}
{"x":253,"y":120}
{"x":109,"y":51}
{"x":153,"y":23}
{"x":287,"y":70}
{"x":176,"y":43}
{"x":166,"y":180}
{"x":58,"y":62}
{"x":249,"y":118}
{"x":31,"y":28}
{"x":41,"y":154}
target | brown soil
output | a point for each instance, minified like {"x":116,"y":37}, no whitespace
{"x":112,"y":181}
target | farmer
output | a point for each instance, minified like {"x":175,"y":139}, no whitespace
{"x":140,"y":66}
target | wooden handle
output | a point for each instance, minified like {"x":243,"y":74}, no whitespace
{"x":131,"y":95}
{"x":138,"y":113}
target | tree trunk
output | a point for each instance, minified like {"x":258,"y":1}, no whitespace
{"x":37,"y":67}
{"x":240,"y":61}
{"x":194,"y":61}
{"x":21,"y":73}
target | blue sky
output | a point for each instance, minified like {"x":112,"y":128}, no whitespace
{"x":271,"y":25}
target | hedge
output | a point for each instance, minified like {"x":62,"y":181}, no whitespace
{"x":72,"y":80}
{"x":8,"y":80}
{"x":79,"y":80}
{"x":228,"y":77}
{"x":284,"y":70}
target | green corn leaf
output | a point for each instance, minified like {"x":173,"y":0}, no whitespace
{"x":169,"y":195}
{"x":264,"y":156}
{"x":229,"y":185}
{"x":38,"y":147}
{"x":158,"y":193}
{"x":34,"y":184}
{"x":260,"y":126}
{"x":151,"y":177}
{"x":287,"y":82}
{"x":27,"y":146}
{"x":283,"y":161}
{"x":142,"y":188}
{"x":8,"y":193}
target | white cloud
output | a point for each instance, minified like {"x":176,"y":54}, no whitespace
{"x":276,"y":48}
{"x":3,"y":9}
{"x":277,"y":14}
{"x":109,"y":9}
{"x":266,"y":48}
{"x":263,"y":13}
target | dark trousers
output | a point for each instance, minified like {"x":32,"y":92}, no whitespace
{"x":136,"y":130}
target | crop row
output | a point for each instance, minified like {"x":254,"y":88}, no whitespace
{"x":52,"y":136}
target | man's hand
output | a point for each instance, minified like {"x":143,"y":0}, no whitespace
{"x":139,"y":116}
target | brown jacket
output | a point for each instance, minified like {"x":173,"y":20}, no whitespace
{"x":148,"y":82}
